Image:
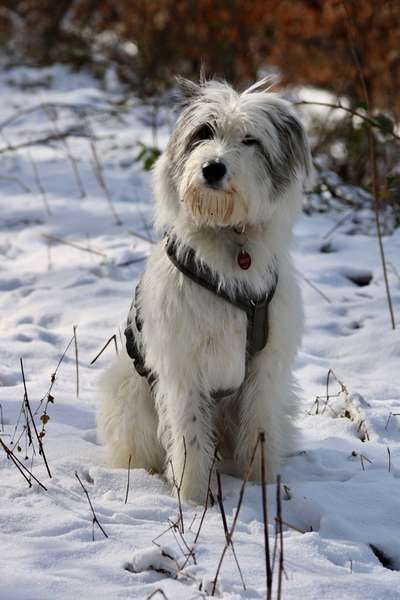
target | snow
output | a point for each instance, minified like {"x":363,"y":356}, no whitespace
{"x":340,"y":491}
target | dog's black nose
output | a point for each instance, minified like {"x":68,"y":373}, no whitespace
{"x":213,"y":171}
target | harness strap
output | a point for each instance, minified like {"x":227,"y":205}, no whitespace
{"x":256,"y":311}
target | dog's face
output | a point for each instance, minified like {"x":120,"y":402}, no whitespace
{"x":233,"y":157}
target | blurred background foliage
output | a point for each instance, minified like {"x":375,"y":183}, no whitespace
{"x":306,"y":42}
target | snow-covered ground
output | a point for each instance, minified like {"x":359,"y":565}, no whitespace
{"x":342,"y":495}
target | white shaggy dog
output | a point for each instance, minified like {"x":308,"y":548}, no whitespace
{"x":228,"y":188}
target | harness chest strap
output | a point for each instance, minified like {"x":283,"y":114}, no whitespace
{"x":256,"y":311}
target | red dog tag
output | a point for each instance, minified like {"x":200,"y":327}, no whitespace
{"x":244,"y":260}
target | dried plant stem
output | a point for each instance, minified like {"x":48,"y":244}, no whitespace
{"x":315,"y":288}
{"x":128,"y":480}
{"x":389,"y":459}
{"x":21,"y":467}
{"x":98,"y":171}
{"x":95,"y":520}
{"x":235,"y":518}
{"x":28,"y":406}
{"x":178,"y":487}
{"x":279,"y":517}
{"x":372,"y":157}
{"x":338,"y":106}
{"x":54,"y":238}
{"x":39,"y":184}
{"x":52,"y":116}
{"x":225,"y":525}
{"x":76,"y":360}
{"x":113,"y":338}
{"x":268,"y":570}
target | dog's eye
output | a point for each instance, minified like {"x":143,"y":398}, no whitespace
{"x":205,"y":132}
{"x":250,"y":141}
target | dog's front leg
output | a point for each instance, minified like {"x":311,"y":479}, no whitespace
{"x":186,"y":416}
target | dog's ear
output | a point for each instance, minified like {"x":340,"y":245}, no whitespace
{"x":188,"y":90}
{"x":264,"y":85}
{"x":295,"y":145}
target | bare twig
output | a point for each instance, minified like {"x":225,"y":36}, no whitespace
{"x":76,"y":360}
{"x":178,"y":486}
{"x":268,"y":570}
{"x":28,"y":406}
{"x":21,"y":467}
{"x":314,"y":287}
{"x":279,"y":517}
{"x":338,"y":106}
{"x":128,"y":480}
{"x":389,"y":459}
{"x":98,"y":171}
{"x":372,"y":158}
{"x":157,"y":591}
{"x":39,"y":184}
{"x":95,"y":520}
{"x":54,"y":238}
{"x":52,"y":116}
{"x":235,"y":518}
{"x":225,"y":525}
{"x":113,"y":338}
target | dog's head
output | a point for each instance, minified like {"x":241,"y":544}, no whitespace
{"x":233,"y":159}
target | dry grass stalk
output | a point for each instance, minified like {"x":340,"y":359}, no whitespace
{"x":268,"y":570}
{"x":128,"y":480}
{"x":389,"y":459}
{"x":235,"y":518}
{"x":339,"y":106}
{"x":226,"y":530}
{"x":98,"y":171}
{"x":39,"y":185}
{"x":95,"y":520}
{"x":21,"y":467}
{"x":372,"y":157}
{"x":28,"y":407}
{"x":157,"y":591}
{"x":54,"y":238}
{"x":316,"y":289}
{"x":76,"y":360}
{"x":52,"y":116}
{"x":280,"y":531}
{"x":178,"y":487}
{"x":113,"y":338}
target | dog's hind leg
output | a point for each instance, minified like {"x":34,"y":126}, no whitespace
{"x":127,"y":419}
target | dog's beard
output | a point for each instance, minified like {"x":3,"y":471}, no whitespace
{"x":211,"y":207}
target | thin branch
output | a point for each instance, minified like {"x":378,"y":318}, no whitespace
{"x":338,"y":106}
{"x":268,"y":570}
{"x":98,"y":171}
{"x":372,"y":160}
{"x":54,"y":238}
{"x":76,"y":360}
{"x":128,"y":481}
{"x":28,"y":406}
{"x":225,"y":525}
{"x":279,"y":517}
{"x":235,"y":518}
{"x":20,"y":466}
{"x":314,"y":287}
{"x":112,"y":338}
{"x":95,"y":520}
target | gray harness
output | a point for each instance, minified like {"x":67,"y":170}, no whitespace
{"x":256,"y":310}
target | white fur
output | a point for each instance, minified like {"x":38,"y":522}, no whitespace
{"x":193,"y":340}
